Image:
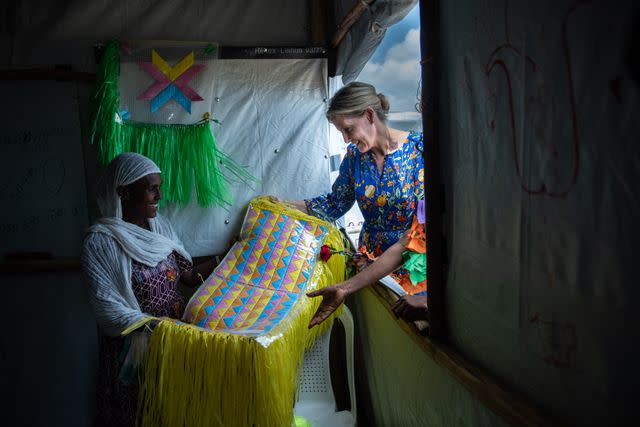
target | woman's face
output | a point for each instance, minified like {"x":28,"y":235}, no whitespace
{"x":140,"y":199}
{"x":359,"y":130}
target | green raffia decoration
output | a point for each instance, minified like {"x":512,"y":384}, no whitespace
{"x":186,"y":154}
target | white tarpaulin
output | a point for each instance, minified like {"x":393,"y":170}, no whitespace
{"x":273,"y":123}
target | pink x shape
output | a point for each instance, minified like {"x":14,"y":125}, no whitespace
{"x":162,"y":81}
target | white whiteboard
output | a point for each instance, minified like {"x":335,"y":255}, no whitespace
{"x":43,"y":201}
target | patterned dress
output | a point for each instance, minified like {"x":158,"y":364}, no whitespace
{"x":156,"y":290}
{"x":387,"y":200}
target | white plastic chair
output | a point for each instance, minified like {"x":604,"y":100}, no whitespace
{"x":316,"y":401}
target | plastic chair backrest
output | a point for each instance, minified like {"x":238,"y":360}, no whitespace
{"x":346,"y":318}
{"x":316,"y":400}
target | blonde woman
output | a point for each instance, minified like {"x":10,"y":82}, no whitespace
{"x":382,"y":170}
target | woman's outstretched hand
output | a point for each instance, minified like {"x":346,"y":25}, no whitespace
{"x":411,"y":307}
{"x":332,"y":298}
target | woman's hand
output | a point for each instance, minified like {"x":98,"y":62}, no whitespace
{"x":332,"y":298}
{"x":411,"y":307}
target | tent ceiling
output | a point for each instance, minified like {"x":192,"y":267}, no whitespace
{"x":33,"y":27}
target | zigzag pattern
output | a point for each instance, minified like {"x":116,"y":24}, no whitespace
{"x":261,"y":278}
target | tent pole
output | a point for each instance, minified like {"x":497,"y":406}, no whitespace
{"x":318,"y":22}
{"x":429,"y":38}
{"x":350,"y":18}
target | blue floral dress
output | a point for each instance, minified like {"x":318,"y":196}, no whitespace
{"x":387,"y":200}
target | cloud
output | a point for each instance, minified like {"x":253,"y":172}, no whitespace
{"x":398,"y":76}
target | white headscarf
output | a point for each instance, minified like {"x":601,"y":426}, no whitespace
{"x":112,"y":243}
{"x":124,"y":169}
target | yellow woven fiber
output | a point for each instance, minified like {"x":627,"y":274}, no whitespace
{"x":136,"y":325}
{"x":195,"y":377}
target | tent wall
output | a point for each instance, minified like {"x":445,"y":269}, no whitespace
{"x":48,"y":351}
{"x":43,"y":33}
{"x":539,"y":133}
{"x":398,"y":384}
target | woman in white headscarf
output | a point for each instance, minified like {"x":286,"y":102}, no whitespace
{"x":132,"y":260}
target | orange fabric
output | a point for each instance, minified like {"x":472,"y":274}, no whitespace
{"x":417,"y":237}
{"x":406,"y":284}
{"x":417,"y":243}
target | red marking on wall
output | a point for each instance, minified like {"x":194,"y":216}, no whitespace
{"x":512,"y":122}
{"x":572,"y":100}
{"x":497,"y":63}
{"x":506,"y":46}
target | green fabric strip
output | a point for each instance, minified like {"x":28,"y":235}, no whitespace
{"x":187,"y":154}
{"x":416,"y":264}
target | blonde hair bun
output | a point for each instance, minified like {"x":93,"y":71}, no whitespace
{"x":384,"y":103}
{"x":354,"y":99}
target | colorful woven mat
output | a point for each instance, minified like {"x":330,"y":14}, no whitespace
{"x":236,"y":365}
{"x":262,"y":276}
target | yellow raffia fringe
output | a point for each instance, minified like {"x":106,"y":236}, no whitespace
{"x":198,"y":378}
{"x":136,"y":325}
